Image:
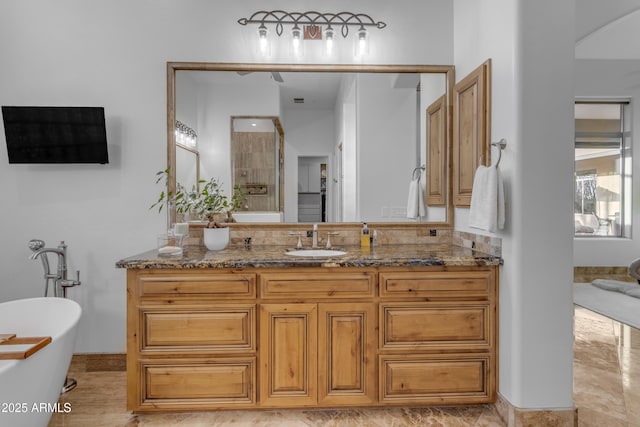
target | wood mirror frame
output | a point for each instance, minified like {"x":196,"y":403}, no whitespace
{"x":447,"y":70}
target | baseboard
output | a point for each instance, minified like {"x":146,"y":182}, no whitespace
{"x":590,"y":273}
{"x":519,"y":417}
{"x":96,"y":362}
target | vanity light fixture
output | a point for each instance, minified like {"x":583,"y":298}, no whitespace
{"x":311,"y":23}
{"x":186,"y":136}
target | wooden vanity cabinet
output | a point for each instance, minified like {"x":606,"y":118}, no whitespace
{"x":438,"y":337}
{"x":310,"y":337}
{"x":191,"y":340}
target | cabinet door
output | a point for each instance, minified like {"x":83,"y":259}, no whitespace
{"x":460,"y":326}
{"x":314,"y":177}
{"x":346,"y":354}
{"x":437,"y":379}
{"x":288,"y":354}
{"x":471,"y":130}
{"x":437,"y":153}
{"x":309,"y":177}
{"x":173,"y":383}
{"x":306,"y":283}
{"x":303,"y":178}
{"x":190,"y":328}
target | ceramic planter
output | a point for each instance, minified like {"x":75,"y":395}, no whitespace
{"x":216,"y":238}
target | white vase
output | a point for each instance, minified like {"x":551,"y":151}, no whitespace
{"x":216,"y":238}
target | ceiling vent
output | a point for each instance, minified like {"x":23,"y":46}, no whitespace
{"x":298,"y":100}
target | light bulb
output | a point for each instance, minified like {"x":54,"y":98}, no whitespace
{"x":296,"y":36}
{"x":362,"y":42}
{"x":328,"y":35}
{"x":262,"y":37}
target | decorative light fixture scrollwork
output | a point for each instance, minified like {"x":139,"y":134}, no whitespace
{"x":186,"y":136}
{"x":312,"y":23}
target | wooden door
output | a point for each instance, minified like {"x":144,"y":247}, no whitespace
{"x":288,"y":354}
{"x":346,"y":354}
{"x":437,"y":153}
{"x":471,"y":130}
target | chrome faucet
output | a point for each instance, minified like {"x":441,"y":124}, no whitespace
{"x":314,"y":237}
{"x":329,"y":234}
{"x":61,"y":282}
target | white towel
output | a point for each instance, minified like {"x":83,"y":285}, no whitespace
{"x":415,"y":202}
{"x":487,"y":200}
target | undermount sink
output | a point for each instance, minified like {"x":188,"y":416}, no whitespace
{"x":316,"y":253}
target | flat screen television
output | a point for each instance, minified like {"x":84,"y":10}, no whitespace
{"x":55,"y":134}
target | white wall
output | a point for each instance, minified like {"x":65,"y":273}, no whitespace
{"x":346,"y":201}
{"x":187,"y":113}
{"x":217,"y":103}
{"x":307,"y":132}
{"x":113,"y":54}
{"x":187,"y":99}
{"x":379,"y":147}
{"x":532,"y":107}
{"x":431,"y":88}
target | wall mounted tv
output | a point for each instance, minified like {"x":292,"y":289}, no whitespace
{"x":55,"y":134}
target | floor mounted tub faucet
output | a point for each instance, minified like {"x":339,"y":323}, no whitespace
{"x":60,"y":280}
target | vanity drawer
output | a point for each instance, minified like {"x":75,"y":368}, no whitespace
{"x":212,"y":328}
{"x":467,"y":284}
{"x":315,"y":284}
{"x":223,"y":285}
{"x":461,"y":326}
{"x":453,"y":379}
{"x":197,"y":384}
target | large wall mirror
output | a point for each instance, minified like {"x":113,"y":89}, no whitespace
{"x":342,"y":143}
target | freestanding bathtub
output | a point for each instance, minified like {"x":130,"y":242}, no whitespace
{"x":30,"y":388}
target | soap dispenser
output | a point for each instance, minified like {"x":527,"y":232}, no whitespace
{"x":365,"y":238}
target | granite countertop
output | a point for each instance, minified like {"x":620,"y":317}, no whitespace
{"x":275,"y":256}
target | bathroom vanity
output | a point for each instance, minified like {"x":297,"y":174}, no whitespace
{"x":248,"y":328}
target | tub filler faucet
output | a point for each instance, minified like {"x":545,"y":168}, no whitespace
{"x":60,"y":280}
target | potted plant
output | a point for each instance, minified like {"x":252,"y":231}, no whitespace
{"x":182,"y":199}
{"x":209,"y":204}
{"x":166,"y":198}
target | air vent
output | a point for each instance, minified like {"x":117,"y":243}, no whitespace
{"x":298,"y":100}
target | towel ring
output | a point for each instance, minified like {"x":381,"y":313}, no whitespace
{"x":419,"y":168}
{"x":502,"y":144}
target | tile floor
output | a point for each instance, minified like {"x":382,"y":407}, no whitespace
{"x":606,"y":371}
{"x":606,"y":392}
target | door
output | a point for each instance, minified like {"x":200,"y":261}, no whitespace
{"x":346,"y":354}
{"x":471,"y":130}
{"x":288,"y":353}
